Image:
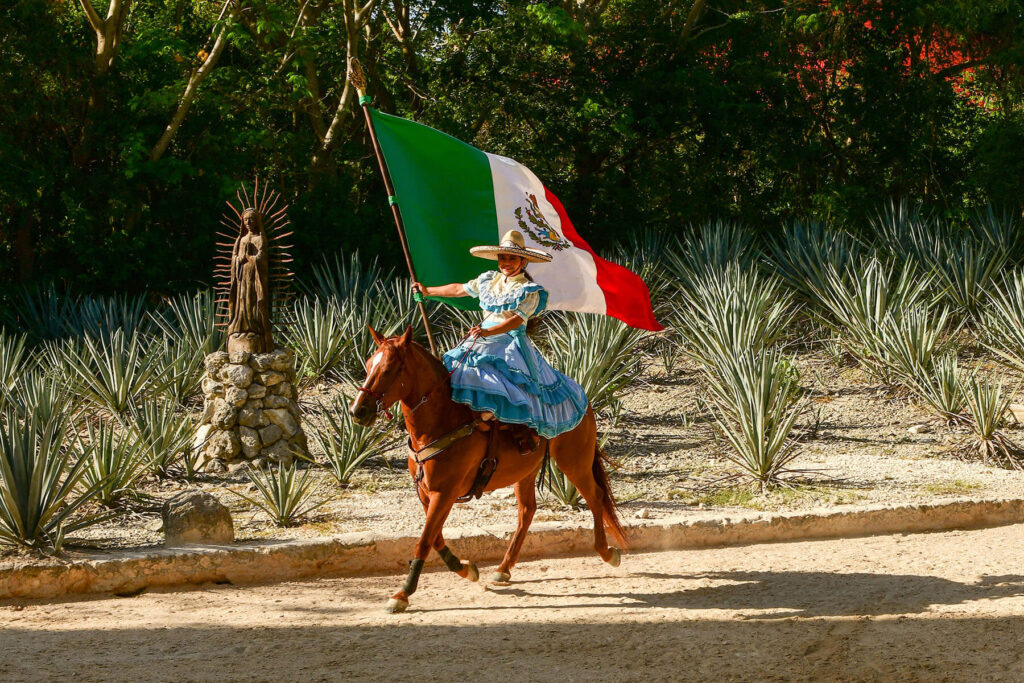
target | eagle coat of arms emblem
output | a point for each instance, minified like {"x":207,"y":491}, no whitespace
{"x":533,"y":223}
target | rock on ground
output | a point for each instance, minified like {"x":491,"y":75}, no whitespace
{"x":196,"y":517}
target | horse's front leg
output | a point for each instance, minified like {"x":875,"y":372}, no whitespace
{"x":438,"y":507}
{"x":463,"y":568}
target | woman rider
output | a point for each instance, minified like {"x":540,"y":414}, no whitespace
{"x":497,"y":370}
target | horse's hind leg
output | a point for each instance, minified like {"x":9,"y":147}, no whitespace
{"x":576,"y":462}
{"x":438,"y":508}
{"x":526,"y":498}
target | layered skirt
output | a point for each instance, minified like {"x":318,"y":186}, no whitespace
{"x":506,"y":375}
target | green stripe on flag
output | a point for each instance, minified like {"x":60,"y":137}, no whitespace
{"x":446,"y":198}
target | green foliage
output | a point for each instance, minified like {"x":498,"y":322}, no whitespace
{"x":988,"y":404}
{"x":805,"y":253}
{"x":1004,"y":322}
{"x":189,"y":321}
{"x":164,"y":435}
{"x":864,"y":305}
{"x":725,"y":311}
{"x":113,"y":462}
{"x":13,"y":362}
{"x":40,"y":494}
{"x":757,"y":400}
{"x":345,"y":444}
{"x":283,"y":495}
{"x":321,"y":335}
{"x":599,"y":352}
{"x":110,"y":372}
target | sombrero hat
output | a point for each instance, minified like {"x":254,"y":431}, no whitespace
{"x":512,"y":242}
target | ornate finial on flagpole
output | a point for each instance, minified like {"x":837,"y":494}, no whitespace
{"x":356,"y":76}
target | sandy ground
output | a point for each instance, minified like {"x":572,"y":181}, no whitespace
{"x":942,"y":606}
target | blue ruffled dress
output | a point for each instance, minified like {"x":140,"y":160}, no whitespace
{"x":504,"y":373}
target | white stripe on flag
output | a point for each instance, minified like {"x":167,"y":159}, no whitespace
{"x":571,"y":276}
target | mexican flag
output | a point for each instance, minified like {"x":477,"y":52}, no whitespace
{"x":452,"y":196}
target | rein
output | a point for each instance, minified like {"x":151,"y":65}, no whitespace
{"x":378,"y":397}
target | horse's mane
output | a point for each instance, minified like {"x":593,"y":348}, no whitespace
{"x":429,"y":359}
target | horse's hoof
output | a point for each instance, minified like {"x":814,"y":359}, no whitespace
{"x":616,"y":557}
{"x":472,"y":573}
{"x":501,"y":578}
{"x":396,"y":606}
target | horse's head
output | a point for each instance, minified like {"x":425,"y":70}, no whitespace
{"x":385,"y":377}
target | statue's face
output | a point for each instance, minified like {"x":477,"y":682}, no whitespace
{"x":249,"y":221}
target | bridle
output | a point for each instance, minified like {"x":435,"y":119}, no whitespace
{"x":378,"y":396}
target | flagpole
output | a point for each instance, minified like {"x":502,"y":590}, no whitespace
{"x":356,"y":77}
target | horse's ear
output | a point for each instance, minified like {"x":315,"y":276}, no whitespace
{"x":376,"y":335}
{"x":406,"y":336}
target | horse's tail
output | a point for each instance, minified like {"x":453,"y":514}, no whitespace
{"x":611,"y":518}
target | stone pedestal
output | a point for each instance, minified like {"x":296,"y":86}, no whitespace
{"x":250,"y":412}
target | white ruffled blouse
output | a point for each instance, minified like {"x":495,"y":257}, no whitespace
{"x":502,"y":297}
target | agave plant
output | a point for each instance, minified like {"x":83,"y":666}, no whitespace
{"x":321,"y":336}
{"x":988,"y":404}
{"x":163,"y":433}
{"x":113,"y":462}
{"x":40,"y":481}
{"x":645,"y":255}
{"x":713,"y":246}
{"x":111,"y":373}
{"x":862,"y":304}
{"x":1005,"y":321}
{"x":101,"y":316}
{"x":12,"y":360}
{"x":910,"y":340}
{"x":757,"y":401}
{"x":724,"y":312}
{"x":1001,"y":230}
{"x":940,"y":389}
{"x":337,"y":280}
{"x":283,"y":494}
{"x":805,"y":253}
{"x":177,"y":371}
{"x":189,"y":321}
{"x":43,"y":313}
{"x":345,"y":444}
{"x":599,"y":352}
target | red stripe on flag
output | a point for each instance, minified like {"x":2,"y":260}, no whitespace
{"x":625,"y":293}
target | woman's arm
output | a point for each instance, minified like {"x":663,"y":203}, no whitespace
{"x":510,"y":324}
{"x":453,"y":290}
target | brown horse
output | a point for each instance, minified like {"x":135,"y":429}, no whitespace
{"x":402,"y":370}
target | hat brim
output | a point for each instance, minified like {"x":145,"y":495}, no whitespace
{"x":531,"y":255}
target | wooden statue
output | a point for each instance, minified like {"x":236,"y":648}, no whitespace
{"x":249,"y":268}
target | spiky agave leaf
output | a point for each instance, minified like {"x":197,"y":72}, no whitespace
{"x":40,"y":493}
{"x":111,"y":372}
{"x":860,"y":304}
{"x":757,"y":400}
{"x":345,"y":444}
{"x":987,"y":404}
{"x":727,"y":310}
{"x":805,"y":252}
{"x":190,"y":322}
{"x":113,"y":462}
{"x":320,"y":333}
{"x":1004,"y":328}
{"x":164,"y":433}
{"x":283,"y":495}
{"x":714,"y":245}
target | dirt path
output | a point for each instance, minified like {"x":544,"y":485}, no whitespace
{"x":943,"y":606}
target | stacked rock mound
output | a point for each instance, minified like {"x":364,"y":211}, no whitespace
{"x":250,"y":413}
